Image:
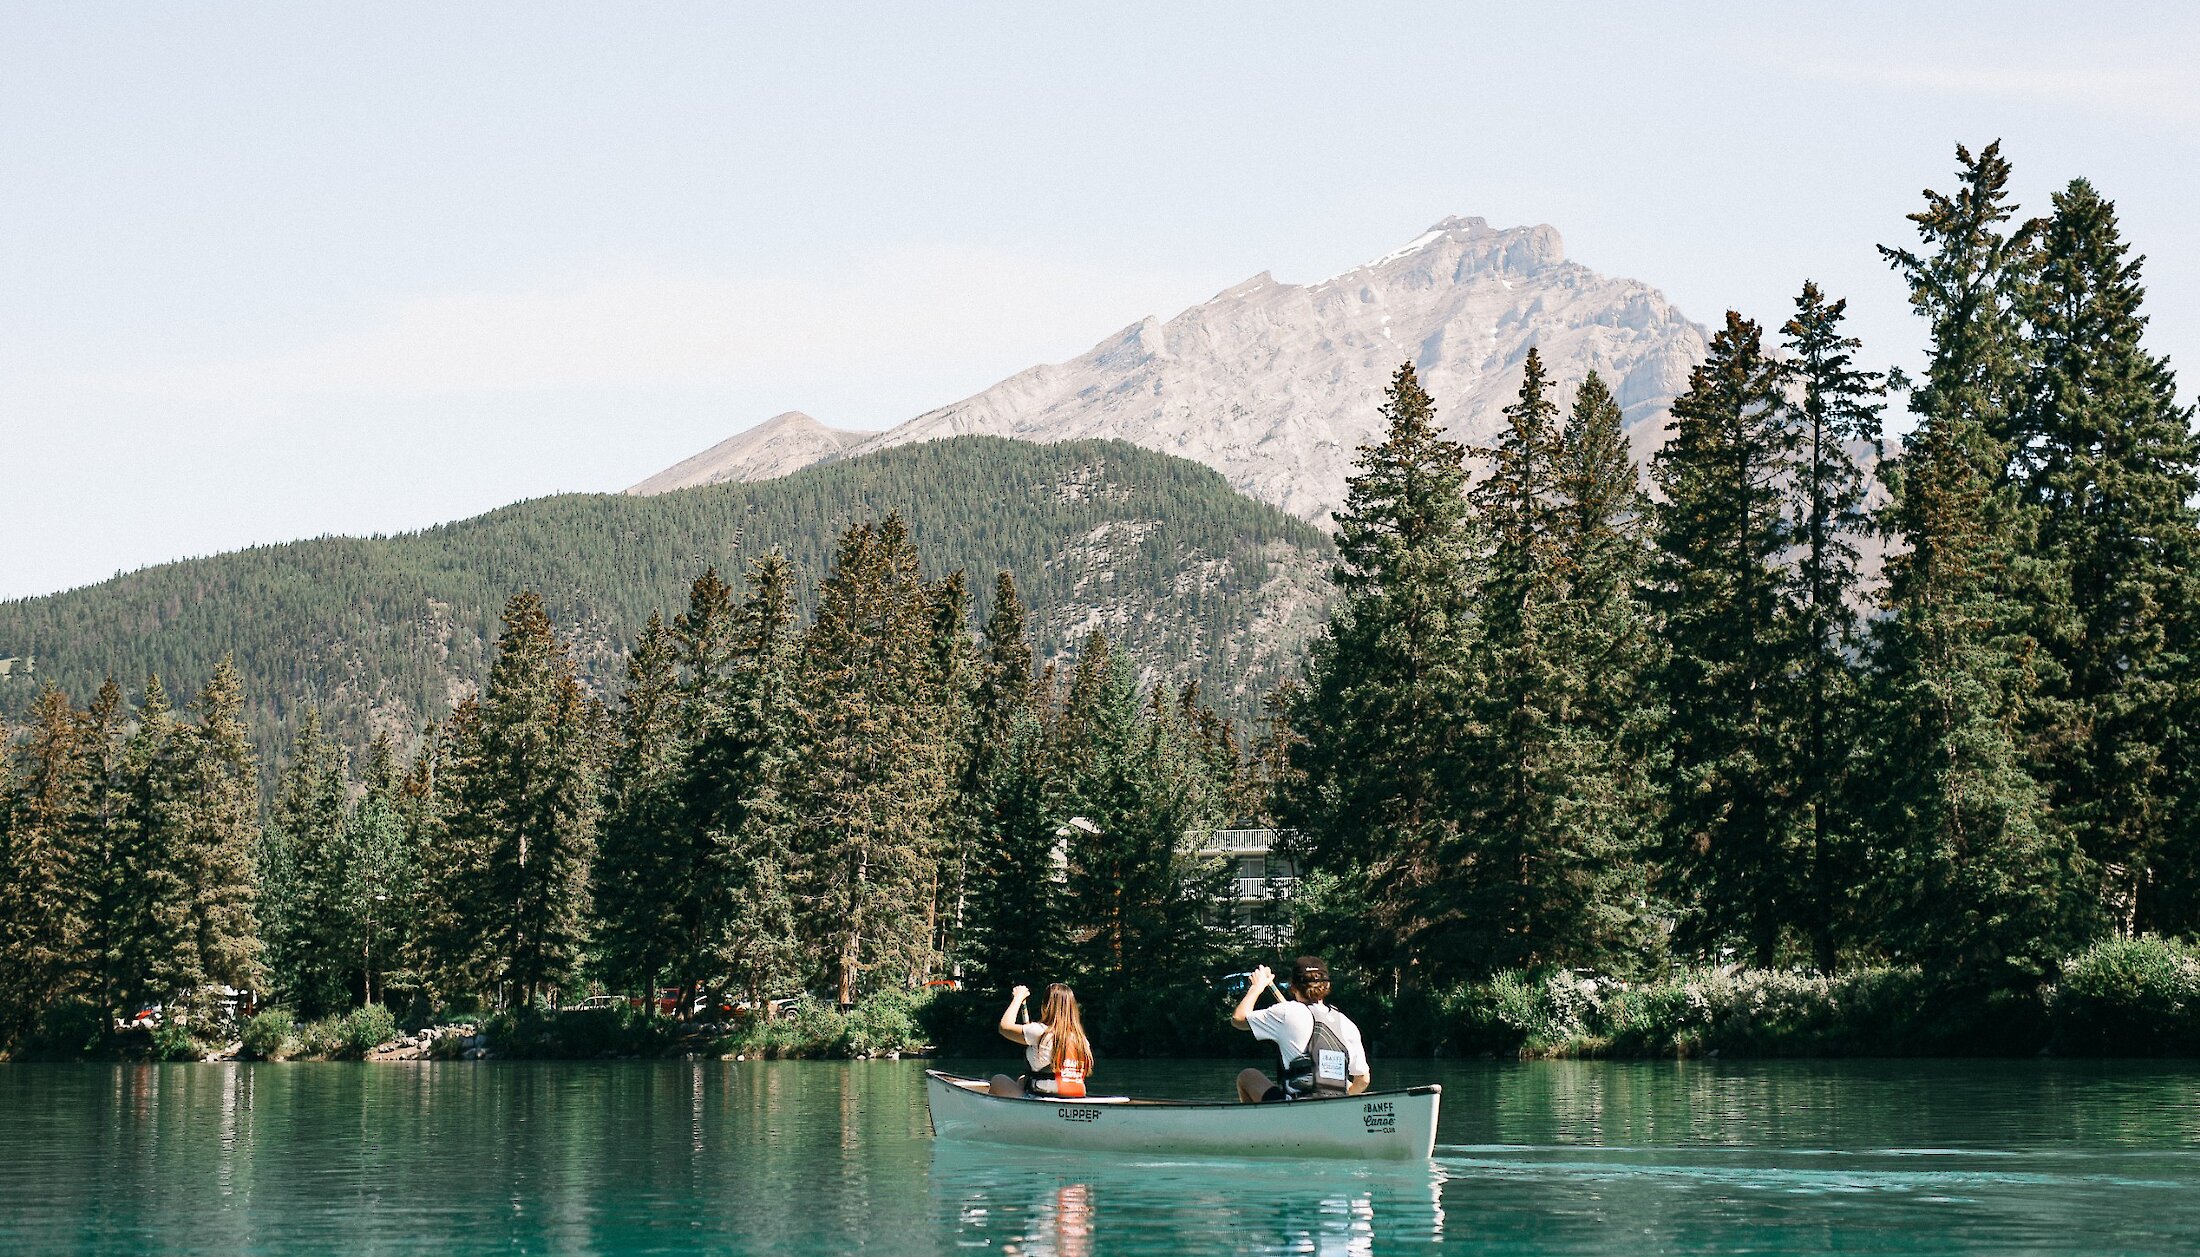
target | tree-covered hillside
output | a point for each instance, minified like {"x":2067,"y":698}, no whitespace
{"x":1193,"y":580}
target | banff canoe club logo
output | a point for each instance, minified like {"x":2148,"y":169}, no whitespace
{"x":1379,"y":1116}
{"x":1077,"y":1115}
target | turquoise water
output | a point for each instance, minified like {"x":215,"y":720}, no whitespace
{"x":795,"y":1157}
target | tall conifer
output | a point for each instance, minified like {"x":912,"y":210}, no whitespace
{"x":1984,"y":881}
{"x":2111,"y":470}
{"x":1717,"y":583}
{"x":1836,"y":415}
{"x":1380,"y":722}
{"x":877,"y":760}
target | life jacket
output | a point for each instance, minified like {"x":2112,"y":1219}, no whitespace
{"x":1069,"y":1079}
{"x":1067,"y":1076}
{"x":1323,"y":1070}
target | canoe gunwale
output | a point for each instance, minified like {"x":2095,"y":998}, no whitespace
{"x":981,"y":1088}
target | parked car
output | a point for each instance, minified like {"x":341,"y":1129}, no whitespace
{"x":597,"y":1003}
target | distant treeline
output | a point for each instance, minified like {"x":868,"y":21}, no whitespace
{"x":385,"y":633}
{"x":769,"y":807}
{"x":1561,"y":723}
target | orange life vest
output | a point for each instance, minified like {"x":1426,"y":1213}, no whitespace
{"x":1069,"y":1079}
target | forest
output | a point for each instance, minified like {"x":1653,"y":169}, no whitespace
{"x":1804,"y":737}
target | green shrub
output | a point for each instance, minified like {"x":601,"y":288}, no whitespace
{"x":365,"y":1029}
{"x":2128,"y":996}
{"x":321,"y":1038}
{"x":267,"y":1036}
{"x":172,"y":1041}
{"x":67,"y":1031}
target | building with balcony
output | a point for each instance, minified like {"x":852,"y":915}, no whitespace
{"x":1263,"y":872}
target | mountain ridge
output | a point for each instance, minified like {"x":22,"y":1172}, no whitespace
{"x":1194,"y":581}
{"x":1277,"y":385}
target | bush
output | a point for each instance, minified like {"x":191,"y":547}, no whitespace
{"x":2128,"y":996}
{"x":267,"y":1037}
{"x":365,"y":1029}
{"x":322,"y":1038}
{"x":69,"y":1030}
{"x":172,"y":1041}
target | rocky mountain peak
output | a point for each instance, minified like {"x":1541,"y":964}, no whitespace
{"x":1276,"y":385}
{"x":785,"y":442}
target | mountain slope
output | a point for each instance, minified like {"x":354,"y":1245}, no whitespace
{"x":1196,"y":580}
{"x":1276,"y":385}
{"x":781,"y":444}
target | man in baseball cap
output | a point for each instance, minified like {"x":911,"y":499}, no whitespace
{"x":1318,"y":1048}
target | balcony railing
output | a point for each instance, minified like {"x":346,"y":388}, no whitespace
{"x":1240,"y":841}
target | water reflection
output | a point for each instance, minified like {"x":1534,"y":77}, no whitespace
{"x":1035,"y":1203}
{"x":791,"y":1157}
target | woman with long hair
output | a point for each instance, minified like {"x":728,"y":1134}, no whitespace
{"x":1056,"y":1051}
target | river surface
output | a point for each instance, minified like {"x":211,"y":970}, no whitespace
{"x":798,"y":1157}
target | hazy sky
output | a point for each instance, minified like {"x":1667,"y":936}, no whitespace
{"x":272,"y":271}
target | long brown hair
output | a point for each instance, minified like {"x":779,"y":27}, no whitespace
{"x":1065,"y":1026}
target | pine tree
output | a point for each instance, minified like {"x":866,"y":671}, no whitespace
{"x":635,"y":879}
{"x":955,"y":677}
{"x":1508,"y":889}
{"x":1013,"y":929}
{"x":458,"y":945}
{"x":1836,"y":412}
{"x":147,"y":915}
{"x":876,"y":758}
{"x":213,"y":827}
{"x":107,"y":850}
{"x":1984,"y":881}
{"x":1017,"y":931}
{"x":43,"y":909}
{"x":1380,"y":720}
{"x":304,"y":868}
{"x":384,"y":870}
{"x":1140,"y":898}
{"x":1731,"y":833}
{"x":2111,"y":468}
{"x":528,"y":803}
{"x":758,"y":944}
{"x":1606,"y":650}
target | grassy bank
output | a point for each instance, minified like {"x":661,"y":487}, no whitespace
{"x":2126,"y":997}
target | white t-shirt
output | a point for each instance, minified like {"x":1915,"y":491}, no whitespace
{"x":1038,"y":1048}
{"x":1290,"y":1026}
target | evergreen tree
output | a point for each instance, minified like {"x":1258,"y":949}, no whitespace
{"x":304,"y":868}
{"x":207,"y":833}
{"x":1510,"y":882}
{"x":636,"y":882}
{"x":876,"y":758}
{"x":1732,"y":840}
{"x":1140,"y":898}
{"x":384,"y":869}
{"x":757,"y":934}
{"x":1836,"y":412}
{"x":1380,"y":721}
{"x":1606,"y":650}
{"x":955,"y":676}
{"x":1013,"y":927}
{"x":43,"y":804}
{"x":1018,"y":931}
{"x":2110,"y":468}
{"x":107,"y":850}
{"x":144,"y":929}
{"x":527,"y":803}
{"x":457,"y":949}
{"x":1985,"y":881}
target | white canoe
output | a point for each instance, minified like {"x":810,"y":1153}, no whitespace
{"x":1376,"y":1126}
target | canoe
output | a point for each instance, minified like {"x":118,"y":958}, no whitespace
{"x":1375,"y":1126}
